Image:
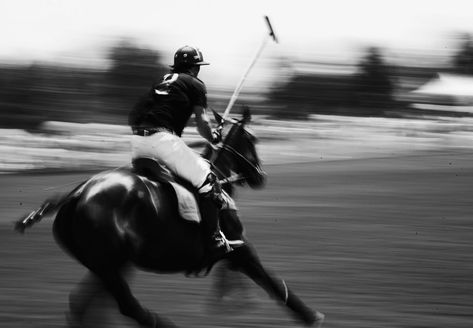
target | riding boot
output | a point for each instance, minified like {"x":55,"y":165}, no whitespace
{"x":210,"y":204}
{"x":217,"y":243}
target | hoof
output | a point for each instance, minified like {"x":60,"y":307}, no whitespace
{"x":72,"y":321}
{"x":20,"y":227}
{"x":319,"y":319}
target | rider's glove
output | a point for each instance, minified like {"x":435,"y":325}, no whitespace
{"x":216,"y":136}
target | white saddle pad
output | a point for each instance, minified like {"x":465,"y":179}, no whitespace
{"x":188,"y":206}
{"x":186,"y":201}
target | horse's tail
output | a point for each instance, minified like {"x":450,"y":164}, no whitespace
{"x":49,"y":206}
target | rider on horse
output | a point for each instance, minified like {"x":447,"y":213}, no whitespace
{"x":112,"y":220}
{"x":157,"y":121}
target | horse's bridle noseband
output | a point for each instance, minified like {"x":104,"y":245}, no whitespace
{"x":234,"y":152}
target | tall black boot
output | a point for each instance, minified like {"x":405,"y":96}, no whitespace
{"x":210,"y":204}
{"x":216,"y":241}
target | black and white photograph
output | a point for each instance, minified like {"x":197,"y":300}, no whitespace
{"x":265,"y":164}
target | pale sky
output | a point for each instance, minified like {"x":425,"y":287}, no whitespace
{"x":228,"y":32}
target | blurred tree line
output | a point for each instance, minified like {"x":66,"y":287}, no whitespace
{"x":371,"y":91}
{"x":367,"y":92}
{"x":32,"y":94}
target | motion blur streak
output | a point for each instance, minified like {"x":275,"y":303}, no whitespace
{"x":371,"y":242}
{"x":367,"y":210}
{"x":380,"y":101}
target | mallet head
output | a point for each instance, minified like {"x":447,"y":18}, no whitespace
{"x":271,"y":31}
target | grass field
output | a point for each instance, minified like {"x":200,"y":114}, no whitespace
{"x":381,"y":242}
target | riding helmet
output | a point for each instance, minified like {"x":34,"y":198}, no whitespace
{"x":188,"y":56}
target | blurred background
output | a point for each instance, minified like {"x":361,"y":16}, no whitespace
{"x":364,"y":72}
{"x":360,"y":228}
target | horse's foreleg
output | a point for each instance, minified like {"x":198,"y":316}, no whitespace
{"x":247,"y":261}
{"x":128,"y":304}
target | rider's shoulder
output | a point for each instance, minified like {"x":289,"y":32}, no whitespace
{"x":190,"y":78}
{"x":193,"y":81}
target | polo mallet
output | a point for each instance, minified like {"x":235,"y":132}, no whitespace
{"x":243,"y":78}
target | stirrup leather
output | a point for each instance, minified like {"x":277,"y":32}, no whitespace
{"x":211,"y":188}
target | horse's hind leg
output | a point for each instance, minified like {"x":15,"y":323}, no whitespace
{"x":81,"y":297}
{"x":246,"y":260}
{"x":230,"y":291}
{"x":128,"y":304}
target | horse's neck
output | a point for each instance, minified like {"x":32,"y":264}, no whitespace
{"x":220,"y":164}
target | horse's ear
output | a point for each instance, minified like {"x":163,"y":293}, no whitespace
{"x":217,"y":117}
{"x":246,"y":115}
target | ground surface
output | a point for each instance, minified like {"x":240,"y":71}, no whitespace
{"x":370,"y":242}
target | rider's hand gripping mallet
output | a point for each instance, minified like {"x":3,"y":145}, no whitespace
{"x":243,"y":78}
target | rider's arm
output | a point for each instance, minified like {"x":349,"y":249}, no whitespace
{"x":203,"y":123}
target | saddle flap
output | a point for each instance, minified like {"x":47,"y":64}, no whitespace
{"x":188,"y":206}
{"x":187,"y":203}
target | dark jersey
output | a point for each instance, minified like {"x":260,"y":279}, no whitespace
{"x":170,"y":103}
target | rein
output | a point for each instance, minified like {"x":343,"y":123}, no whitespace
{"x":238,"y":154}
{"x":232,"y":179}
{"x":236,"y":177}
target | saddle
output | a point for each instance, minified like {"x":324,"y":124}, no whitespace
{"x":151,"y":169}
{"x":185,"y":193}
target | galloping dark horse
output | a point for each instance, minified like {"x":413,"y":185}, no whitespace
{"x":120,"y":217}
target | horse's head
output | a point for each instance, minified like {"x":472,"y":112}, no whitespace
{"x":239,"y":151}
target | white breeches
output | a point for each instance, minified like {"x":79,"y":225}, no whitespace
{"x":171,"y":150}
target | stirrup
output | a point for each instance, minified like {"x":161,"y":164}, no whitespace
{"x":235,"y":243}
{"x":229,"y":244}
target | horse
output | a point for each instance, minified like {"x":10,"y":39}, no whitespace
{"x":126,"y":217}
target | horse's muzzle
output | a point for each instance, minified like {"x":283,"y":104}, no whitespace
{"x":257,"y":180}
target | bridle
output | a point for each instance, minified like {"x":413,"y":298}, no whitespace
{"x":225,"y":147}
{"x":237,"y":154}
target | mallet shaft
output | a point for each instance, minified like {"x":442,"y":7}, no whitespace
{"x":243,"y":78}
{"x":236,"y":93}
